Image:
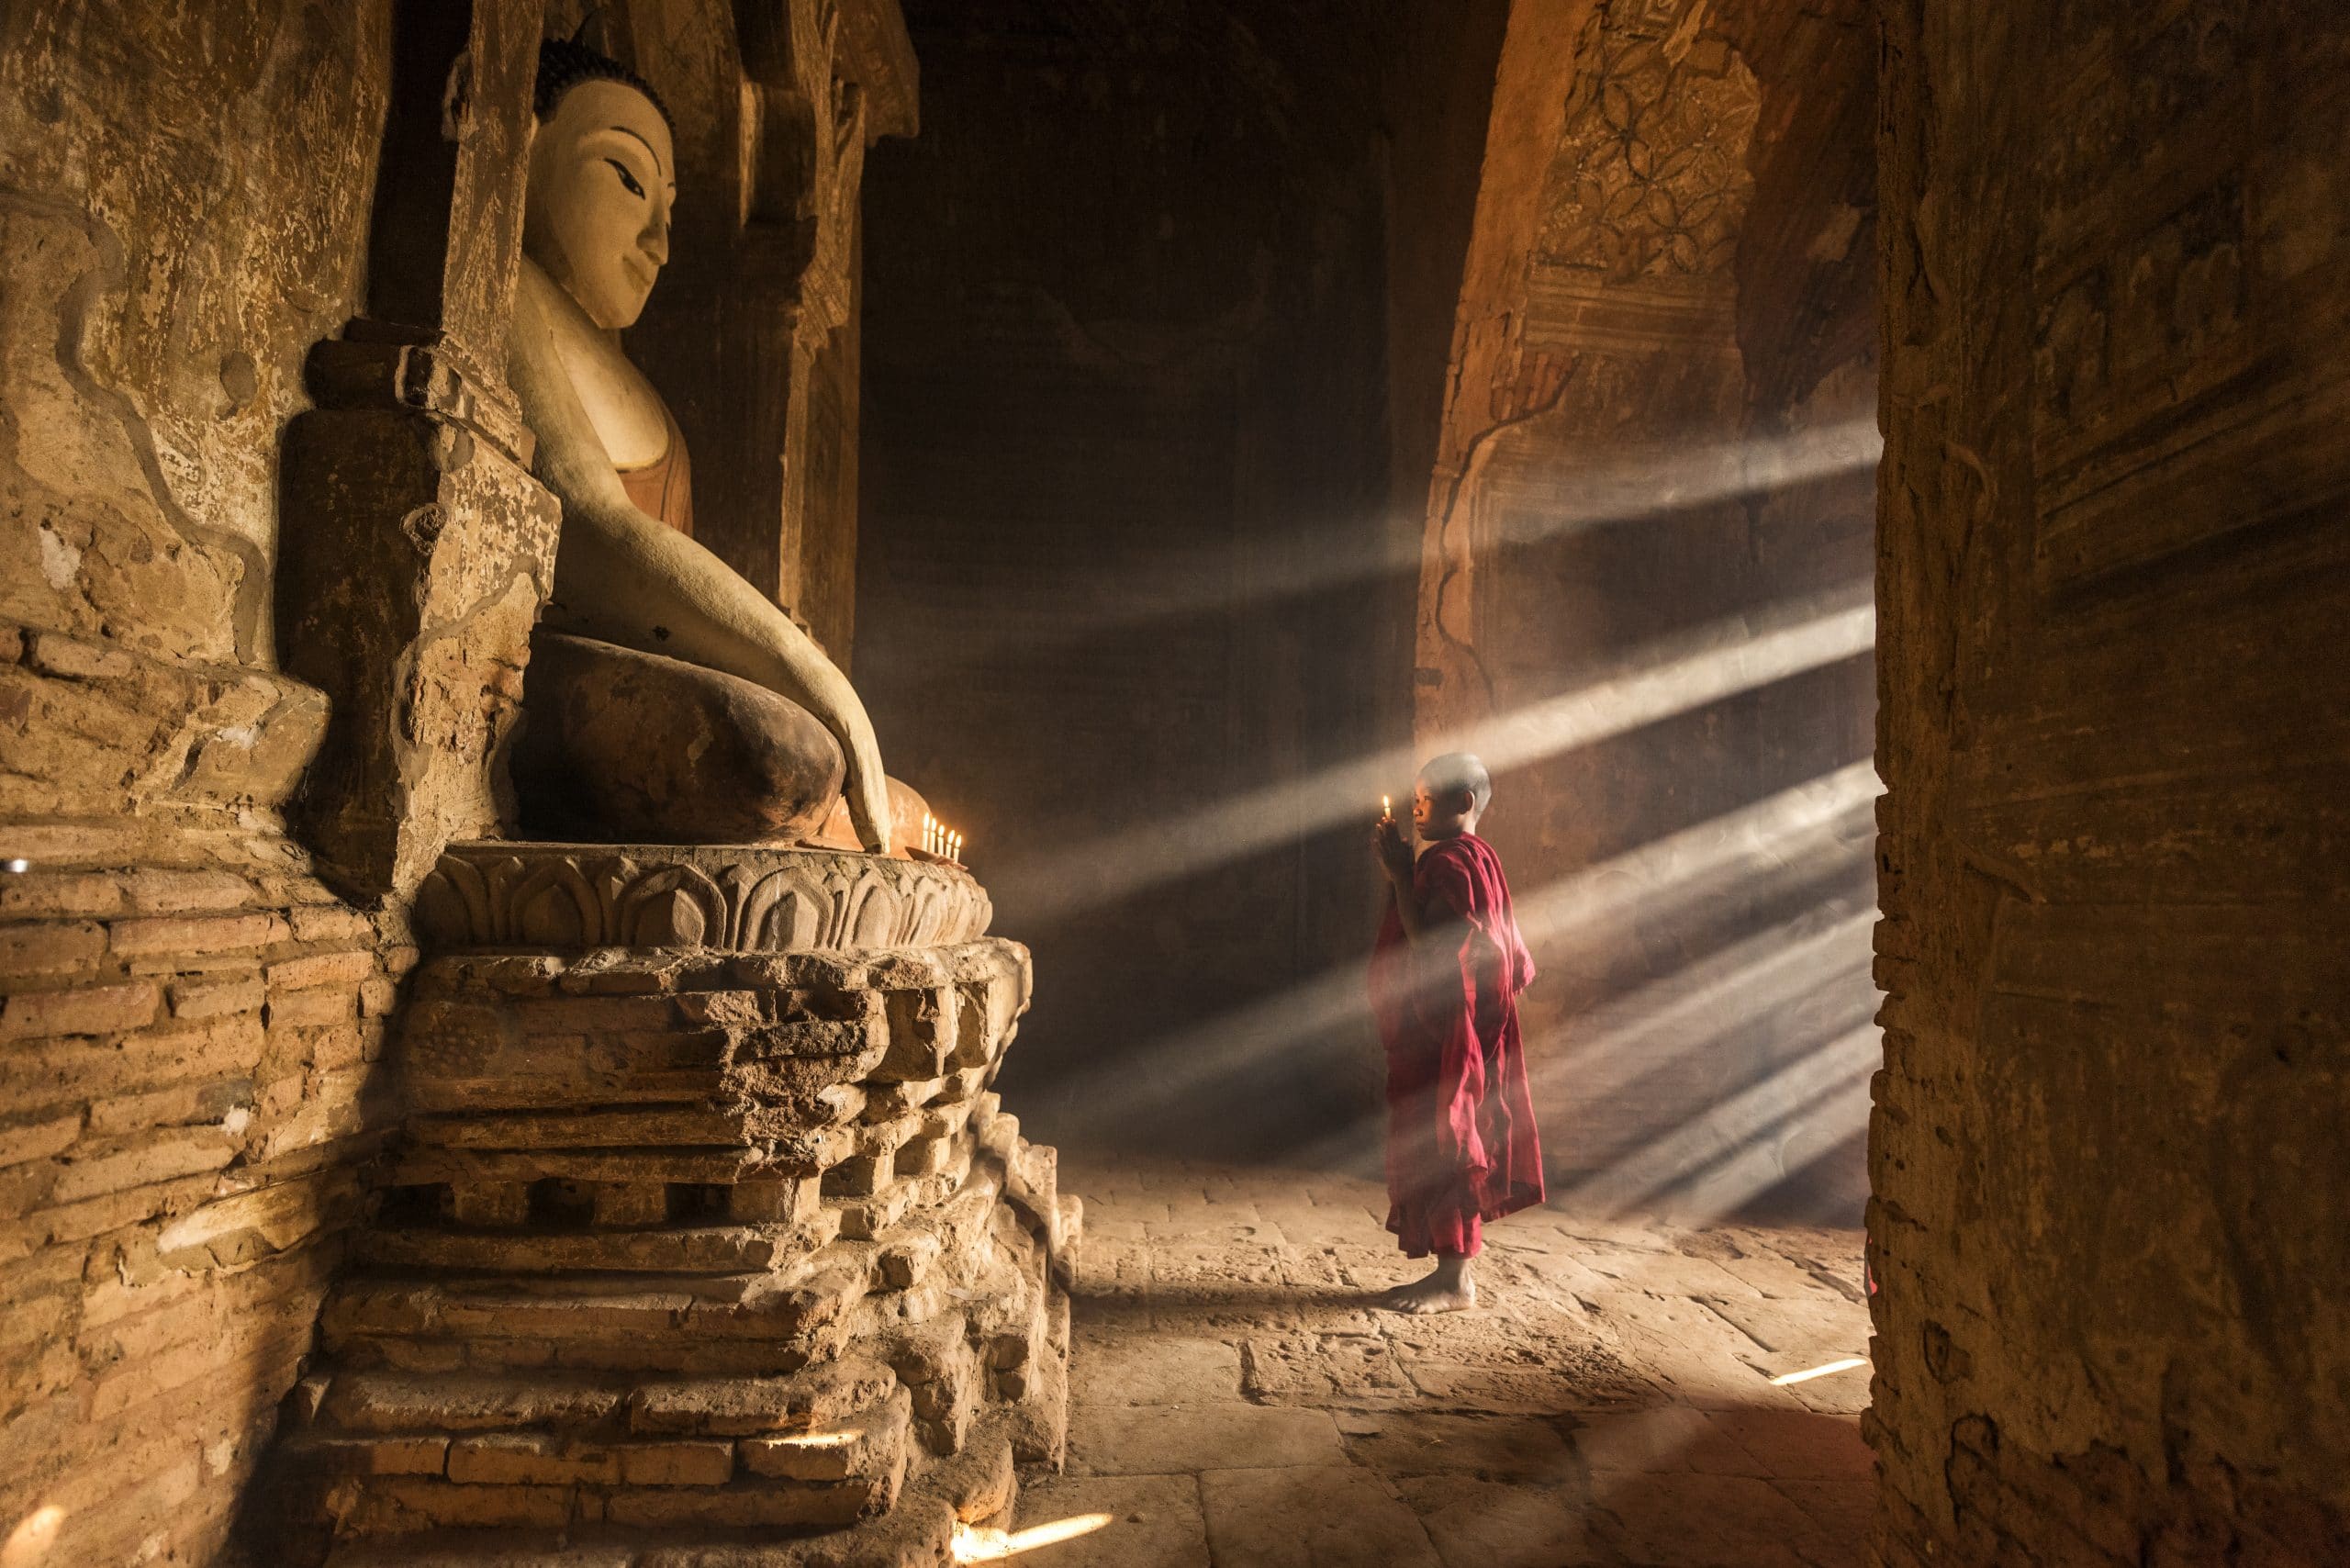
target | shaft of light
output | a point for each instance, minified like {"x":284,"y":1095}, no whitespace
{"x":1621,"y":488}
{"x":975,"y":1544}
{"x":1788,"y":1380}
{"x":1821,"y":822}
{"x":1669,"y":677}
{"x":1822,"y":1081}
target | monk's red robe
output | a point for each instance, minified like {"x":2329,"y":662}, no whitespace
{"x":1461,"y":1147}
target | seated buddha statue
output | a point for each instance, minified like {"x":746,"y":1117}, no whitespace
{"x":667,"y":699}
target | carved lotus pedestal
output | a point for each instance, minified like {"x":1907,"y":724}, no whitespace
{"x":707,"y":1243}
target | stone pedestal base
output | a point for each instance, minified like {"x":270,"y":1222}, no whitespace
{"x":696,"y":1257}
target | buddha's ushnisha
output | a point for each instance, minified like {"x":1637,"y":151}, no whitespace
{"x":628,"y":571}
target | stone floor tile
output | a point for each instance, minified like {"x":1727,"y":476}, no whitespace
{"x":1319,"y":1269}
{"x":1128,"y":1367}
{"x":1298,"y":1210}
{"x":1517,"y":1391}
{"x":1240,"y":1310}
{"x":1600,"y":1231}
{"x":1485,"y":1524}
{"x":1749,"y":1256}
{"x":1324,"y":1370}
{"x":1790,"y":1336}
{"x":1842,"y":1514}
{"x":1672,"y":1439}
{"x":1568,"y":1345}
{"x":1799,"y":1445}
{"x":1669,"y":1274}
{"x":1688,"y":1346}
{"x":1194,"y":1234}
{"x":1155,"y":1522}
{"x":1327,"y":1516}
{"x":1188,"y":1271}
{"x":1147,"y":1441}
{"x":1109,"y":1269}
{"x":1492,"y":1448}
{"x":1685,"y":1520}
{"x":1839,"y":1393}
{"x":1206,"y":1213}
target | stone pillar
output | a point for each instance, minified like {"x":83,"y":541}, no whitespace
{"x":417,"y":548}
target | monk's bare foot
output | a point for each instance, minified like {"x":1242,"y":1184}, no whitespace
{"x":1450,"y":1288}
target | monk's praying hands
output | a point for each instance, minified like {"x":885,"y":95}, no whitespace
{"x":1392,"y":848}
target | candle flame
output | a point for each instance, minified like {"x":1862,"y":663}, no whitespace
{"x":941,"y":842}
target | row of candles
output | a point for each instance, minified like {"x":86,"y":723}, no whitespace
{"x":938,"y":839}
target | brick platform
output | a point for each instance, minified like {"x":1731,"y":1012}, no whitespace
{"x":695,"y":1256}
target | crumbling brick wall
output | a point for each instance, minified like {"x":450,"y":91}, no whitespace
{"x":2105,"y":1153}
{"x":191,"y":1022}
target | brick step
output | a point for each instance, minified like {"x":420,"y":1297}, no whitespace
{"x":517,"y":1192}
{"x":707,"y":1163}
{"x":980,"y":1483}
{"x":571,"y":1084}
{"x":627,"y":1309}
{"x":726,"y":1250}
{"x":363,"y":1402}
{"x":703,"y":1487}
{"x":919,"y":1532}
{"x":737,"y":1124}
{"x":896,"y":1540}
{"x":916,"y":1142}
{"x":667,"y":1353}
{"x":512,"y":1186}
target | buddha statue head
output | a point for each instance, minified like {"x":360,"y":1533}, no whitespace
{"x":602,"y":181}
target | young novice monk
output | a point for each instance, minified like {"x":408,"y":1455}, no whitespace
{"x":1444,"y":983}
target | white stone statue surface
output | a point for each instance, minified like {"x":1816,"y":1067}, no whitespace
{"x":628,"y":572}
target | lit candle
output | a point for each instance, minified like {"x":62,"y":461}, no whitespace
{"x":1386,"y":808}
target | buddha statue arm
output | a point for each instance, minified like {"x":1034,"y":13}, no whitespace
{"x":627,"y":578}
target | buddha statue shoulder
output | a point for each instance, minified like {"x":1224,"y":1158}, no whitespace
{"x":667,"y":697}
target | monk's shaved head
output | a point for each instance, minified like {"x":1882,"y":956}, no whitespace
{"x":1456,"y":771}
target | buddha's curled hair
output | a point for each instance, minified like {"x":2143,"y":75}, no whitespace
{"x":564,"y":64}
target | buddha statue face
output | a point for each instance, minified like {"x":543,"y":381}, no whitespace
{"x":603,"y":177}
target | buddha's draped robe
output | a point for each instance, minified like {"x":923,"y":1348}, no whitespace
{"x":1461,"y":1147}
{"x":663,"y":488}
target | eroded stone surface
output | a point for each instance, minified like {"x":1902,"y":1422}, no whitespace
{"x":620,"y":1288}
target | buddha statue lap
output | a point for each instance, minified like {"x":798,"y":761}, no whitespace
{"x":667,"y":700}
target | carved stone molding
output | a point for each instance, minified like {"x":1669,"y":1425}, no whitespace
{"x":746,"y":898}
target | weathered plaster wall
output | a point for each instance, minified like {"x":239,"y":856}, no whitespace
{"x":1124,"y":535}
{"x":191,"y":1020}
{"x":2107,"y":1152}
{"x":1644,"y":585}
